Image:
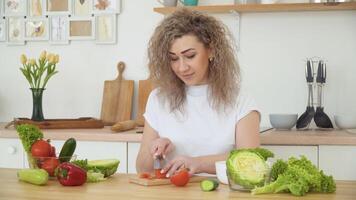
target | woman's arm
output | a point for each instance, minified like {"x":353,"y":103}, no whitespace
{"x":246,"y":136}
{"x":144,"y":161}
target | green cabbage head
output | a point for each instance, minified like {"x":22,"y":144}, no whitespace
{"x":246,"y":168}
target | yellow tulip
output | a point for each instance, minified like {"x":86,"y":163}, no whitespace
{"x":51,"y":58}
{"x":56,"y":58}
{"x":43,"y":55}
{"x":23,"y":59}
{"x":32,"y":62}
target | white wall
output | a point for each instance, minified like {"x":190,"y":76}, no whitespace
{"x":272,"y":53}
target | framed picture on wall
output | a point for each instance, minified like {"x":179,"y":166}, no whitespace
{"x":81,"y":28}
{"x":35,"y":8}
{"x":15,"y":7}
{"x":2,"y":29}
{"x":58,"y":7}
{"x":106,"y":6}
{"x":15,"y":31}
{"x":82,"y":7}
{"x":105,"y":28}
{"x":36,"y":29}
{"x":59,"y":30}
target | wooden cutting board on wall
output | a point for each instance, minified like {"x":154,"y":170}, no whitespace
{"x":144,"y":89}
{"x":117,"y":98}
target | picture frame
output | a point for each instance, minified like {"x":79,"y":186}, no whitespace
{"x":82,"y":7}
{"x":81,"y":28}
{"x":2,"y":29}
{"x":59,"y":30}
{"x":36,"y":8}
{"x":106,"y":6}
{"x":15,"y":31}
{"x":36,"y":29}
{"x":58,"y":7}
{"x":105,"y":29}
{"x":15,"y":7}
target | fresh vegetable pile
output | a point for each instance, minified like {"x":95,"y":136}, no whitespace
{"x":249,"y":169}
{"x":44,"y":162}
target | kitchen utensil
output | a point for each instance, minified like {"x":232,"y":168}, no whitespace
{"x":83,"y":122}
{"x":220,"y":167}
{"x":144,"y":89}
{"x":157,"y":162}
{"x":283,"y":121}
{"x":305,"y":119}
{"x":321,"y":119}
{"x":124,"y":126}
{"x":156,"y":181}
{"x":117,"y":98}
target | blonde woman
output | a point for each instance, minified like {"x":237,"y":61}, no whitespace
{"x":196,"y":115}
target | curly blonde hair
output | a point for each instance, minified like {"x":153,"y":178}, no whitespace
{"x":224,"y":71}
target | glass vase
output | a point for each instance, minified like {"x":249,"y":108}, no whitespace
{"x":37,"y":114}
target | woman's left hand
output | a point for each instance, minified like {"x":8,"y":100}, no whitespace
{"x":179,"y":163}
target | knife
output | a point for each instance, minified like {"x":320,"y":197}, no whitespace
{"x":157,"y":162}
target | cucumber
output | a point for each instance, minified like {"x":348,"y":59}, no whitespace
{"x":209,"y":185}
{"x":67,"y":150}
{"x":34,"y":176}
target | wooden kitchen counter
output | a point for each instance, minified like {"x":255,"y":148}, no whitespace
{"x":118,"y":187}
{"x":271,"y":137}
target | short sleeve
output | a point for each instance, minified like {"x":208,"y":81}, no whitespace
{"x":245,"y":105}
{"x":152,"y":108}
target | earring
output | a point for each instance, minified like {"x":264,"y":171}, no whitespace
{"x":210,"y":59}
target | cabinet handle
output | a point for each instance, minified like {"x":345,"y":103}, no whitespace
{"x":11,"y":150}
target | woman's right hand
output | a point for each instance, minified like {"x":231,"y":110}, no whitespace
{"x":161,"y":146}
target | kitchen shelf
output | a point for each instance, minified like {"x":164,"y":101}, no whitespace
{"x":284,"y":7}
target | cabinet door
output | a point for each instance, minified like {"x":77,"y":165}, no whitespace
{"x":98,"y":150}
{"x":284,"y":152}
{"x":11,"y":153}
{"x":133,"y":149}
{"x":338,"y":161}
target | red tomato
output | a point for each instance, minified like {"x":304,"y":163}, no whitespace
{"x":158,"y":174}
{"x":181,"y":178}
{"x":144,"y":175}
{"x":53,"y":151}
{"x":41,"y":148}
{"x":50,"y":165}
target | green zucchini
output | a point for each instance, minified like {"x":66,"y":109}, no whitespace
{"x":67,"y":150}
{"x":209,"y":185}
{"x":33,"y":176}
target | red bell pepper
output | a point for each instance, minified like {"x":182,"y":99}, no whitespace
{"x":69,"y":174}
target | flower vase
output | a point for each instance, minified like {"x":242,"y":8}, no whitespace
{"x":37,"y":114}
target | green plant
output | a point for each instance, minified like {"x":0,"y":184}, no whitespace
{"x":34,"y":71}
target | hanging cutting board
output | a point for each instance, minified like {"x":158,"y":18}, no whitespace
{"x":144,"y":89}
{"x":117,"y":98}
{"x":153,"y":182}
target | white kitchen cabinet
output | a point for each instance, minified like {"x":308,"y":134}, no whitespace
{"x":98,"y":150}
{"x":338,"y":161}
{"x":284,"y":152}
{"x":11,"y":153}
{"x":132,"y":152}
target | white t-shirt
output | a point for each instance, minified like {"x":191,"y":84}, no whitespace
{"x":201,"y":130}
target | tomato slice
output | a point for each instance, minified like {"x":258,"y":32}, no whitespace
{"x":181,"y":178}
{"x":145,"y":175}
{"x":159,"y":175}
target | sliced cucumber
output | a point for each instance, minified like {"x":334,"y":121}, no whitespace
{"x":67,"y":150}
{"x":209,"y":185}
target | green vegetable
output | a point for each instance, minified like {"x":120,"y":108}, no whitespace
{"x":107,"y":167}
{"x":67,"y":150}
{"x":299,"y":177}
{"x":209,"y":185}
{"x":93,"y":177}
{"x":265,"y":153}
{"x":81,"y":163}
{"x":246,"y":167}
{"x":28,"y":135}
{"x":279,"y":167}
{"x":34,"y":176}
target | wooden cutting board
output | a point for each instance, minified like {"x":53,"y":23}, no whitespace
{"x":144,"y":89}
{"x":117,"y":98}
{"x":153,"y":182}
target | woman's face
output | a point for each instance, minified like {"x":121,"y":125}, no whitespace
{"x":190,"y":60}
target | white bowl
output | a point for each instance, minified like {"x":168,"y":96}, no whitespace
{"x":283,"y":121}
{"x":345,"y":121}
{"x":220,"y":167}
